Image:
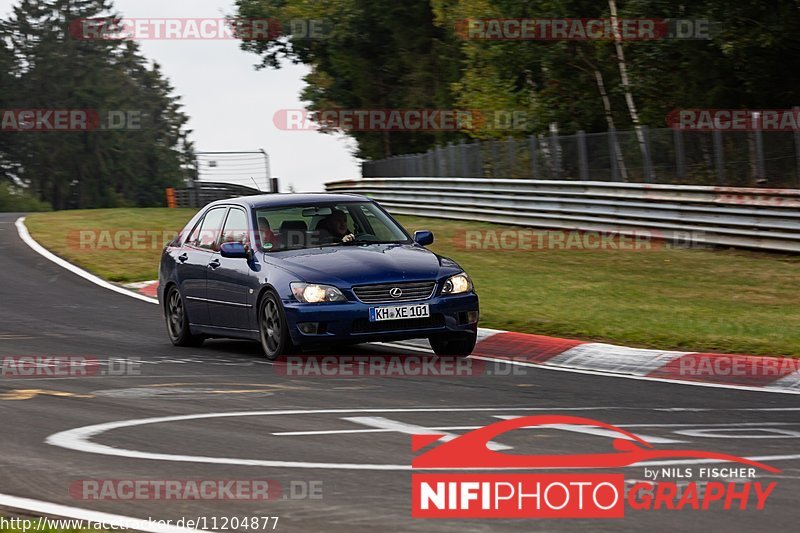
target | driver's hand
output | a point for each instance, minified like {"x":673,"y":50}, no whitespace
{"x":349,"y":238}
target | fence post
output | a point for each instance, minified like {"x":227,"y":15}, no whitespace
{"x":511,"y":156}
{"x":719,"y":157}
{"x":759,"y":148}
{"x":648,"y":160}
{"x":796,"y":111}
{"x":495,"y":163}
{"x":555,"y":151}
{"x":194,"y":197}
{"x":480,"y":173}
{"x":612,"y":149}
{"x":462,"y":152}
{"x":170,"y":197}
{"x":534,"y":149}
{"x":680,"y":154}
{"x":451,"y":160}
{"x":583,"y":157}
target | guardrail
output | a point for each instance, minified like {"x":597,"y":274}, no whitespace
{"x":767,"y":219}
{"x":204,"y":192}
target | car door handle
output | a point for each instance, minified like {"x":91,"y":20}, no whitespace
{"x":214,"y":264}
{"x":183,"y":258}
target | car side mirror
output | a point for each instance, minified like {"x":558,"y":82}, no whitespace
{"x":234,"y":250}
{"x":423,"y":238}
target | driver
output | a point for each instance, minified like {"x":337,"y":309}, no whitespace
{"x":333,"y":228}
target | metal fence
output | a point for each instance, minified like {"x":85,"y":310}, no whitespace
{"x":734,"y":159}
{"x":767,"y":219}
{"x":203,"y":193}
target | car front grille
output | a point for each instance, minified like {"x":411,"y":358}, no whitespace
{"x":363,"y":325}
{"x":382,"y":294}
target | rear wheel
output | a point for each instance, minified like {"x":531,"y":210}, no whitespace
{"x":178,"y":320}
{"x":275,"y":339}
{"x":454,"y":344}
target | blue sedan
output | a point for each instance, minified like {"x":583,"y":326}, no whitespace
{"x":294,"y":271}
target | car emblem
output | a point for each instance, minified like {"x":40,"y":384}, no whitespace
{"x":397,"y":292}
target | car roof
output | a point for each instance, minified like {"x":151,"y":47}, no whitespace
{"x":264,"y":201}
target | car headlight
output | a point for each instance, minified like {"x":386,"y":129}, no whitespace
{"x":458,"y":284}
{"x":311,"y":293}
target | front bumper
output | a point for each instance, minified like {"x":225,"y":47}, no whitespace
{"x":348,"y":322}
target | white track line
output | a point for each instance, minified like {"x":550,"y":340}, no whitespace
{"x":41,"y":250}
{"x":54,"y":509}
{"x":80,"y":439}
{"x":602,"y":373}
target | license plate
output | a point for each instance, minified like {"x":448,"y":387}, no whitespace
{"x":401,"y":312}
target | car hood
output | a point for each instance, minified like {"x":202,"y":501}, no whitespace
{"x":365,"y":264}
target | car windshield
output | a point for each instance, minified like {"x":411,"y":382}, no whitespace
{"x":315,"y":226}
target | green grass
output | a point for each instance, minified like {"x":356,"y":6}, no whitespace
{"x":60,"y":233}
{"x":704,"y":300}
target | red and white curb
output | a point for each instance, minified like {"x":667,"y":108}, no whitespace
{"x":145,"y":288}
{"x":748,"y":372}
{"x":733,"y":371}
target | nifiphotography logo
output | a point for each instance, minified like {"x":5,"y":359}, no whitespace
{"x":573,"y":494}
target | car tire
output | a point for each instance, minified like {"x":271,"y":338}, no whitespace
{"x":454,"y":344}
{"x":273,"y":328}
{"x":178,"y":320}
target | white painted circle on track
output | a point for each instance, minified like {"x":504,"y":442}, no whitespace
{"x":79,"y":439}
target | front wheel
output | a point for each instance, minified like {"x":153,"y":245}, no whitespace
{"x":178,"y":320}
{"x":454,"y":344}
{"x":275,"y":339}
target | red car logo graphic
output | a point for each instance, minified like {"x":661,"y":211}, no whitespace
{"x":470,"y":451}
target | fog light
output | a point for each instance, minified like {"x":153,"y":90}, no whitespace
{"x":309,"y":328}
{"x":471,"y":317}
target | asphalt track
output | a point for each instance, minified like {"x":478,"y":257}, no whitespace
{"x":47,"y":311}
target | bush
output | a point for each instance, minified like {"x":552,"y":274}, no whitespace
{"x":13,"y":199}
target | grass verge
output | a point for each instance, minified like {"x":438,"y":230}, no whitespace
{"x":682,"y":299}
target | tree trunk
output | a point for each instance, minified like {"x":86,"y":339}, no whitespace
{"x":626,"y":86}
{"x":601,"y":87}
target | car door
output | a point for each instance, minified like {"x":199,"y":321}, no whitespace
{"x":192,"y":264}
{"x":230,"y":280}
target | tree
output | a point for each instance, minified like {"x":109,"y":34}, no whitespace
{"x":52,"y":69}
{"x":408,"y":54}
{"x":377,"y":54}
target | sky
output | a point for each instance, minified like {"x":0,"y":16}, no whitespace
{"x":231,"y":105}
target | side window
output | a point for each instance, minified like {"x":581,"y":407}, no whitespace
{"x":192,"y":239}
{"x":236,"y":229}
{"x":208,"y":236}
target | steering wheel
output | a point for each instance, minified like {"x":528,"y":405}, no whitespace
{"x":369,"y":237}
